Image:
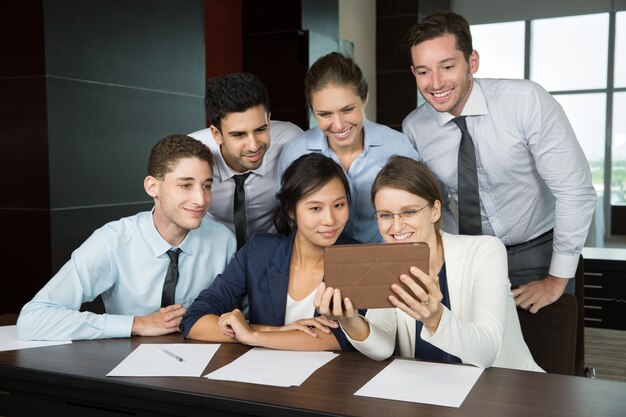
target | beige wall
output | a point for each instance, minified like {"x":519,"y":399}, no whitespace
{"x":357,"y":23}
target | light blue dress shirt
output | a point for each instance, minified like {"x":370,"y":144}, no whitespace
{"x":126,"y":262}
{"x":380,"y":143}
{"x":532,"y":173}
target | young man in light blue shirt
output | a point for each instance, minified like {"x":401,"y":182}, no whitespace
{"x":126,"y":261}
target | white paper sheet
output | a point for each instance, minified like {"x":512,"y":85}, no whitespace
{"x":10,"y":341}
{"x":151,"y":360}
{"x":423,"y":382}
{"x":273,"y":367}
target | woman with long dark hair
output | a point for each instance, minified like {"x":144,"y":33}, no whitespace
{"x":279,"y":273}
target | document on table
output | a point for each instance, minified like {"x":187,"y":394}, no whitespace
{"x":273,"y":367}
{"x":10,"y":341}
{"x":172,"y":359}
{"x":423,"y":382}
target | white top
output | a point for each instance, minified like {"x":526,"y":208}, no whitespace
{"x":260,"y":187}
{"x":297,"y":310}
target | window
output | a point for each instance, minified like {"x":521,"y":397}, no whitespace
{"x":496,"y":61}
{"x":618,"y":142}
{"x":620,"y":50}
{"x":556,"y":60}
{"x":618,"y":168}
{"x":570,"y":56}
{"x":556,"y":64}
{"x":587,"y":115}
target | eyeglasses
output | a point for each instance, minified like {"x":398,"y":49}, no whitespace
{"x":387,"y":216}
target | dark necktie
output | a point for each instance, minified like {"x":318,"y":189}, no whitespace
{"x":171,"y":278}
{"x":239,"y":210}
{"x":470,"y":222}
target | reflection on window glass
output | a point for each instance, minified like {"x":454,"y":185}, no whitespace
{"x":501,"y":49}
{"x":620,"y":50}
{"x":570,"y":53}
{"x":587,"y":114}
{"x":618,"y":168}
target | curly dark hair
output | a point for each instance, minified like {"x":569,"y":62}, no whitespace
{"x":166,"y":153}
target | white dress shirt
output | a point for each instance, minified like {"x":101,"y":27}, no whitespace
{"x":260,"y":187}
{"x":532,"y":173}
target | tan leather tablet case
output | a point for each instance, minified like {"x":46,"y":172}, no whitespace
{"x":364,"y":273}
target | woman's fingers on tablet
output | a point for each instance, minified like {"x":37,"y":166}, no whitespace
{"x":317,"y":301}
{"x":337,"y":308}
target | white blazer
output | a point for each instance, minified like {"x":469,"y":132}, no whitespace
{"x":482,"y":328}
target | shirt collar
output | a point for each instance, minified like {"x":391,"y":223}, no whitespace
{"x":158,"y":245}
{"x":371,"y":139}
{"x":225,"y":172}
{"x":475,"y":105}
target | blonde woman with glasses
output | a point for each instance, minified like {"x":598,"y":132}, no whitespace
{"x":465,"y":314}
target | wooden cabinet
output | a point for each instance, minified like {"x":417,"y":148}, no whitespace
{"x":605,"y":288}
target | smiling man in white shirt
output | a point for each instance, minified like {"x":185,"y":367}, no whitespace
{"x":247,"y":144}
{"x":534,"y":182}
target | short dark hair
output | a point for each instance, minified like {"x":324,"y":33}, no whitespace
{"x":304,"y":176}
{"x":169,"y":150}
{"x":407,"y":174}
{"x":335,"y":69}
{"x":233,"y":93}
{"x":439,"y":24}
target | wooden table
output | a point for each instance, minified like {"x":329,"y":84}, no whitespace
{"x":69,"y":380}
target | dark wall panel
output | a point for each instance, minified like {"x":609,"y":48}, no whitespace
{"x":398,"y":98}
{"x":261,"y":16}
{"x":139,"y":44}
{"x":122,"y":75}
{"x":25,"y":256}
{"x":276,"y":50}
{"x":223,"y":37}
{"x":396,"y":90}
{"x":23,"y":143}
{"x":86,"y":89}
{"x":100,"y":137}
{"x":284,"y":77}
{"x":24,"y":215}
{"x":71,"y":227}
{"x":21,"y":38}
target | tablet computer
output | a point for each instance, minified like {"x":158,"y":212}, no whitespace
{"x":365,"y":272}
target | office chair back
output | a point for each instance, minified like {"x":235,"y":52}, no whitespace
{"x":556,"y":334}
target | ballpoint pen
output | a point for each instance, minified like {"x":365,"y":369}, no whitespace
{"x":171,"y":354}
